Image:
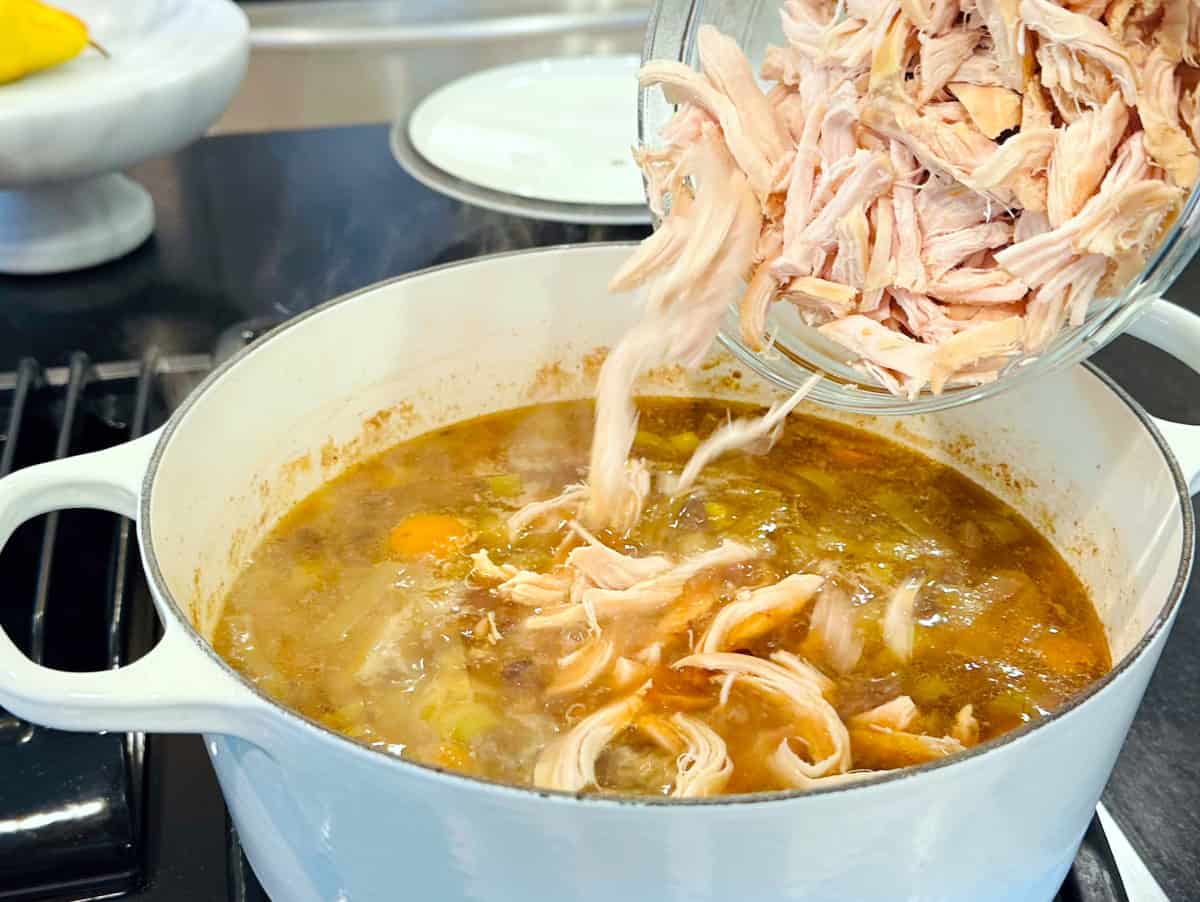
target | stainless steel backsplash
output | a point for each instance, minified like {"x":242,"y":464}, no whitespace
{"x":343,"y":62}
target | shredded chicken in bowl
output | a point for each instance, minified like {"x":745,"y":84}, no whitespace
{"x":936,"y":186}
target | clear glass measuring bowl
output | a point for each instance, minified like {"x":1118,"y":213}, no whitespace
{"x":798,"y":350}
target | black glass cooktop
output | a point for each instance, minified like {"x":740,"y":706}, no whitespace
{"x":251,"y":230}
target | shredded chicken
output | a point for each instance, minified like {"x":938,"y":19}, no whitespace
{"x":685,"y":614}
{"x":644,"y":596}
{"x":966,"y":727}
{"x":1063,"y":297}
{"x":756,"y":299}
{"x":536,"y":589}
{"x":833,"y":625}
{"x":684,"y":85}
{"x":1018,"y":164}
{"x":569,"y":762}
{"x":659,"y":730}
{"x":703,"y":768}
{"x":887,"y":348}
{"x":922,"y":316}
{"x":758,"y":434}
{"x":582,"y":667}
{"x":883,"y":748}
{"x":894,"y":157}
{"x":1158,"y":107}
{"x":1071,"y":39}
{"x":791,"y":770}
{"x":687,"y":297}
{"x":981,"y":68}
{"x":1001,"y":19}
{"x":651,"y":655}
{"x":758,"y":611}
{"x":817,"y":298}
{"x":822,"y":732}
{"x":943,"y":56}
{"x":626,"y":672}
{"x":486,"y":571}
{"x":525,"y":587}
{"x":880,"y":268}
{"x":1082,"y":152}
{"x":870,"y":175}
{"x":975,"y":285}
{"x":494,"y":636}
{"x":610,"y":569}
{"x":898,"y":714}
{"x":1121,"y":222}
{"x":988,"y":341}
{"x":805,"y":671}
{"x":993,"y":109}
{"x":898,"y":622}
{"x":943,"y":253}
{"x":571,"y":500}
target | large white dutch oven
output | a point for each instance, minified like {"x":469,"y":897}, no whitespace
{"x":324,"y":819}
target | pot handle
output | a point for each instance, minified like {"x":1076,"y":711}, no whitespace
{"x":175,"y":687}
{"x":1176,"y":330}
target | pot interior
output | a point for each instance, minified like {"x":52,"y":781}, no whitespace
{"x":399,"y":359}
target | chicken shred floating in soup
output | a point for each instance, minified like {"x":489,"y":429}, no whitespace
{"x":806,"y":616}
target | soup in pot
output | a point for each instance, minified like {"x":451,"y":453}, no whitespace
{"x":832,"y":607}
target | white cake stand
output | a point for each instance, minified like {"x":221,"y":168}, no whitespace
{"x":65,"y":133}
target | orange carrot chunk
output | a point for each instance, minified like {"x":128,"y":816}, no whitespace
{"x":435,"y":534}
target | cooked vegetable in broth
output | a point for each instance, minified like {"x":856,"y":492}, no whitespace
{"x":836,"y":606}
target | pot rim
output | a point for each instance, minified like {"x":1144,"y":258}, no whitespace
{"x":460,"y":780}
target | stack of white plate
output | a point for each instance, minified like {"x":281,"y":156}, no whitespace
{"x":548,"y":139}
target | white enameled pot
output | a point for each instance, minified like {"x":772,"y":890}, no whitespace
{"x":324,"y":819}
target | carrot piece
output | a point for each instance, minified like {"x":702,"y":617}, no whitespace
{"x":435,"y":534}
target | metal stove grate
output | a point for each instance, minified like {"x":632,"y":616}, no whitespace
{"x":85,"y":816}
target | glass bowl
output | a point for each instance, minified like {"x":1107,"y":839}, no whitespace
{"x":798,"y":350}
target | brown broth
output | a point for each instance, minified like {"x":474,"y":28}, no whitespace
{"x":396,"y":649}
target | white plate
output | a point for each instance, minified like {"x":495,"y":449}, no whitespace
{"x":1140,"y":884}
{"x":557,"y":130}
{"x":469,"y":193}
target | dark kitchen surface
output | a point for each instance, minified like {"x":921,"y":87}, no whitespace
{"x":267,"y":226}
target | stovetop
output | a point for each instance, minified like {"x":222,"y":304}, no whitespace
{"x":253,"y":229}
